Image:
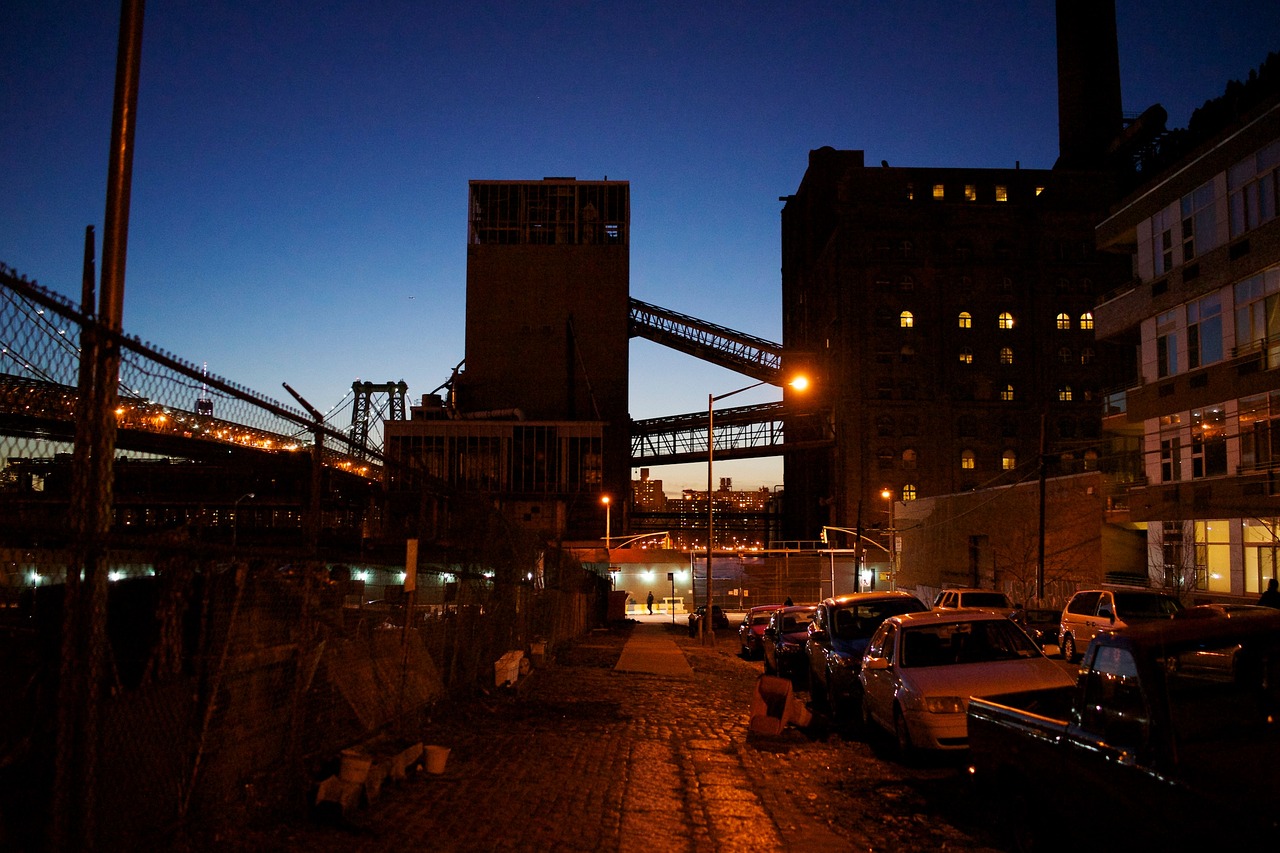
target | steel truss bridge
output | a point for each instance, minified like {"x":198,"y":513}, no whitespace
{"x":167,"y":406}
{"x":171,"y":406}
{"x":741,"y":432}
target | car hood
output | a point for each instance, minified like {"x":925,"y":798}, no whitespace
{"x":986,"y":679}
{"x":795,"y":637}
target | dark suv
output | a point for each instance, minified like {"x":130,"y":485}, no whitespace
{"x":838,"y":636}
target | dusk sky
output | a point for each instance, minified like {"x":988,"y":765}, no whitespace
{"x":300,"y":173}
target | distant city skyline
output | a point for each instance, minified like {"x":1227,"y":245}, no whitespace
{"x":300,"y":178}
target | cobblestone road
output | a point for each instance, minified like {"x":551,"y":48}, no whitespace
{"x":589,"y":758}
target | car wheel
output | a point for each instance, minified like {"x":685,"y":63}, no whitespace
{"x":1068,"y":648}
{"x":839,"y":706}
{"x":901,"y":737}
{"x":1020,"y":819}
{"x":817,"y":689}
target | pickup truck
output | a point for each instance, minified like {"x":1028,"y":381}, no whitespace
{"x":1170,"y":739}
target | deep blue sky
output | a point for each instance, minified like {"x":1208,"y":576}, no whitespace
{"x":301,"y":167}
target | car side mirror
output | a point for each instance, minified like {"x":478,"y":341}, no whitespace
{"x":875,"y":664}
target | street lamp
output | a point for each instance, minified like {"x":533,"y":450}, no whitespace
{"x":887,"y":494}
{"x":235,"y":521}
{"x":605,"y":500}
{"x":705,"y":626}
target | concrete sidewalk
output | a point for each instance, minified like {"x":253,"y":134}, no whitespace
{"x":651,"y":649}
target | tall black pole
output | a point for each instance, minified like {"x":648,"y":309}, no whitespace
{"x":1040,"y":555}
{"x":74,"y":818}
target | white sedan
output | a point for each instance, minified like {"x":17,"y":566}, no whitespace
{"x":920,"y":669}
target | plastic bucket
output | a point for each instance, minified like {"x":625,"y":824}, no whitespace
{"x":436,"y":757}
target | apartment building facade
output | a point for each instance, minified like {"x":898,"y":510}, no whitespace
{"x":1202,"y":317}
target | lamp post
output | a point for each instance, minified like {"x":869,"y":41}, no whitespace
{"x":235,"y":521}
{"x":605,"y":500}
{"x":887,"y":494}
{"x":705,"y":626}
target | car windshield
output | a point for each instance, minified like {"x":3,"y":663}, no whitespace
{"x":1139,"y":605}
{"x":796,"y":622}
{"x":761,"y":619}
{"x":984,"y":599}
{"x":859,"y":621}
{"x":950,"y":643}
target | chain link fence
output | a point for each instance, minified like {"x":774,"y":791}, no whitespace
{"x":241,"y":625}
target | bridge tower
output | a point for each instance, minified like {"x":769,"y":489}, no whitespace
{"x":389,"y":398}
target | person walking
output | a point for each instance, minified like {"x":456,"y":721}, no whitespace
{"x":1271,"y":598}
{"x":649,"y":601}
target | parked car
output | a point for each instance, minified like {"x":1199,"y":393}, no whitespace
{"x":784,"y":640}
{"x":1223,"y":658}
{"x":752,"y":628}
{"x":1092,"y":610}
{"x":1042,"y":624}
{"x":987,"y":599}
{"x":838,"y":636}
{"x":921,"y":669}
{"x":718,"y":619}
{"x":1150,"y":749}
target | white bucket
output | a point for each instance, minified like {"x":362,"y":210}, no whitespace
{"x":436,"y":757}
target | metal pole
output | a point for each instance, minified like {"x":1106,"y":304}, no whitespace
{"x":708,"y":630}
{"x":1040,"y":553}
{"x":893,"y":546}
{"x":74,"y":823}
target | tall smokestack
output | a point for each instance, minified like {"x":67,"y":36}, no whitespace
{"x":1089,"y":110}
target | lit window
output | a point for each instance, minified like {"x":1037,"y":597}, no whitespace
{"x":909,"y":492}
{"x":1006,"y":320}
{"x":938,"y":192}
{"x":1064,"y":394}
{"x":1086,"y":320}
{"x":1039,"y":190}
{"x":966,"y":320}
{"x":1007,"y":394}
{"x":970,"y":192}
{"x":911,"y":191}
{"x":1064,"y":321}
{"x":1002,"y":192}
{"x":1008,"y":460}
{"x":1006,"y":355}
{"x":906,"y":320}
{"x":966,"y":356}
{"x":967,"y":459}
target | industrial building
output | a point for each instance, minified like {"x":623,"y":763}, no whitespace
{"x":948,"y":312}
{"x":536,"y":417}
